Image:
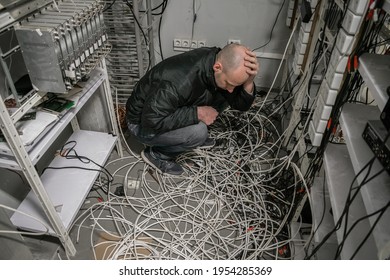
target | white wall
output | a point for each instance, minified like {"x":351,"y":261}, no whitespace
{"x":220,"y":20}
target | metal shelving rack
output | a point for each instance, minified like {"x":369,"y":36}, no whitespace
{"x":47,"y":201}
{"x":342,"y":163}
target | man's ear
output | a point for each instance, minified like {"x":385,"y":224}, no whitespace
{"x":217,"y":67}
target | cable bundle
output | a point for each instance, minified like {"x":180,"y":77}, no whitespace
{"x":233,"y":202}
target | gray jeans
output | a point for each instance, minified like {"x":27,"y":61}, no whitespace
{"x":172,"y":143}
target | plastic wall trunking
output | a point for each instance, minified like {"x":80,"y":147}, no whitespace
{"x":357,"y":6}
{"x":344,"y":42}
{"x":319,"y":124}
{"x":304,"y":36}
{"x":338,"y":61}
{"x":328,"y":95}
{"x":306,"y":26}
{"x":313,"y":3}
{"x":299,"y":58}
{"x":325,"y":110}
{"x":315,"y":137}
{"x":351,"y":22}
{"x":290,"y":12}
{"x":334,"y":79}
{"x":300,"y":47}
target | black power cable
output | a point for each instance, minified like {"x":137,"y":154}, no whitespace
{"x":272,"y":29}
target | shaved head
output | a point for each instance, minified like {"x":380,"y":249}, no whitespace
{"x":229,"y":68}
{"x":231,"y":57}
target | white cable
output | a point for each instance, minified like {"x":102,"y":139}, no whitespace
{"x":281,"y":61}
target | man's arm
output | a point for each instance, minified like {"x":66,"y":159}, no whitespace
{"x":163,"y":112}
{"x":252,"y":66}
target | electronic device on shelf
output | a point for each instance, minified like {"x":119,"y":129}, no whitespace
{"x":377,"y":138}
{"x":62,"y":43}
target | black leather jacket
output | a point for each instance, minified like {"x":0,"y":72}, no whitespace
{"x":167,"y":96}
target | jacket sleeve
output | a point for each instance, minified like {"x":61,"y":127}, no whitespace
{"x":239,"y":99}
{"x":165,"y":110}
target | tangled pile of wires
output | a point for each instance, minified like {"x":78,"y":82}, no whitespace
{"x":234,"y":201}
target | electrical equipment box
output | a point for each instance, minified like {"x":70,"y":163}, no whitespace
{"x":62,"y":43}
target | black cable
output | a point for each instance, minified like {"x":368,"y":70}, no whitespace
{"x":142,"y":31}
{"x":159,"y":28}
{"x":17,"y":173}
{"x":348,"y":203}
{"x":323,"y":212}
{"x":272,"y":29}
{"x":382,"y":211}
{"x":65,"y":152}
{"x":109,"y":177}
{"x":339,"y":221}
{"x":109,"y":6}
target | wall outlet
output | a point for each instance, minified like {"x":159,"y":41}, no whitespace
{"x":194,"y":44}
{"x":132,"y":184}
{"x":234,"y":41}
{"x":185,"y":43}
{"x":176,"y":42}
{"x":201,"y":44}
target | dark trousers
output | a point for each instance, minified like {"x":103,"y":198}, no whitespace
{"x":172,"y":143}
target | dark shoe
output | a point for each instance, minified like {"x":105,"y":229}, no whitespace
{"x":161,"y":166}
{"x":208,"y":144}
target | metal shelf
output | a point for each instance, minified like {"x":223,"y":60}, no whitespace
{"x":45,"y":139}
{"x":376,"y":193}
{"x":339,"y":176}
{"x":67,"y":188}
{"x":375,"y":70}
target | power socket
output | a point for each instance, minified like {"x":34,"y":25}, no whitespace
{"x":177,"y":43}
{"x":132,"y":184}
{"x":194,"y":44}
{"x":201,"y":44}
{"x":185,"y":43}
{"x":234,"y":41}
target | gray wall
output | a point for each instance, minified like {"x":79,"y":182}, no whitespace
{"x":220,"y":20}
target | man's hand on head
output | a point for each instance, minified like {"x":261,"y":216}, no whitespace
{"x":252,"y":67}
{"x":207,"y":114}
